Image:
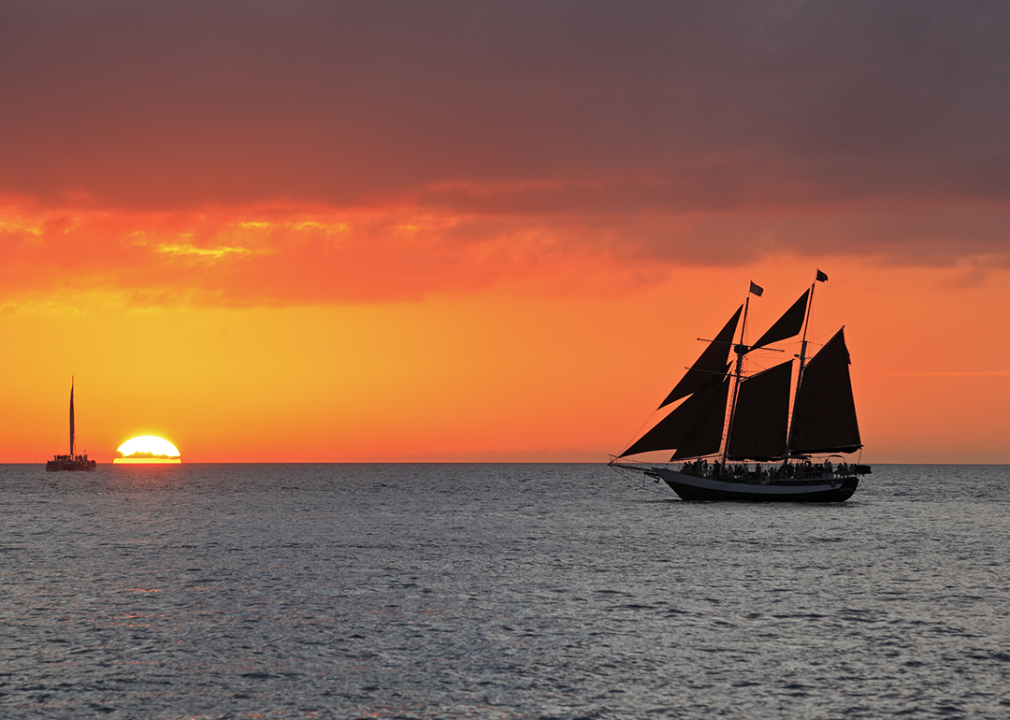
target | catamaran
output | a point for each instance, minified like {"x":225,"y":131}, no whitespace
{"x":73,"y":461}
{"x":718,"y":454}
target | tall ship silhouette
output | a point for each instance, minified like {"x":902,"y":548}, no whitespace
{"x":73,"y":461}
{"x":759,"y":450}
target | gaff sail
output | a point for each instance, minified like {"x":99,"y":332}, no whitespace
{"x":824,"y":419}
{"x":761,"y":417}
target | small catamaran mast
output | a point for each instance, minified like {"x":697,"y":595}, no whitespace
{"x":72,"y":416}
{"x":72,"y":461}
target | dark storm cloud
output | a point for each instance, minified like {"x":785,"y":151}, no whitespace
{"x":533,"y":109}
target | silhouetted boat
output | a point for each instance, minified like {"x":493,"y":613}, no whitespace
{"x":759,"y":427}
{"x":73,"y":461}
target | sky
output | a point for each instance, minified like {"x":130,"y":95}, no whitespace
{"x":481,"y":231}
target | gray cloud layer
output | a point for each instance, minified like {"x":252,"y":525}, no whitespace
{"x":532,"y":109}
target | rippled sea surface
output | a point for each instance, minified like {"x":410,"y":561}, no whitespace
{"x":511,"y":591}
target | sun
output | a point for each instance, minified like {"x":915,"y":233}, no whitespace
{"x":147,"y":449}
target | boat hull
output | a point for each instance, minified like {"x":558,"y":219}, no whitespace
{"x":692,"y":487}
{"x":71,"y":465}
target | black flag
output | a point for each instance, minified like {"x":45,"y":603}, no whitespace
{"x":821,"y":277}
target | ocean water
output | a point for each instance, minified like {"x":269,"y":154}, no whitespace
{"x":497,"y":591}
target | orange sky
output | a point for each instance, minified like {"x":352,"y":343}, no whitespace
{"x":453,"y":231}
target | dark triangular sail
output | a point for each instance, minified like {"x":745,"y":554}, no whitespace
{"x":825,"y":416}
{"x":670,"y":432}
{"x":761,"y":416}
{"x":706,"y":435}
{"x":712,"y":360}
{"x":788,"y":325}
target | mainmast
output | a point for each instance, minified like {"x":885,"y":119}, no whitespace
{"x":71,"y":416}
{"x":821,"y":277}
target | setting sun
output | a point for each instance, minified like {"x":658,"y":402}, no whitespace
{"x":147,"y":449}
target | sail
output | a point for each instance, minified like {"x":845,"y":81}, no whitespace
{"x":787,"y":326}
{"x":761,"y":415}
{"x":712,"y":360}
{"x":670,"y":432}
{"x":706,"y":435}
{"x":71,"y":418}
{"x":825,"y":416}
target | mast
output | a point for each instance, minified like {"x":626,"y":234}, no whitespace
{"x":705,"y":387}
{"x":71,"y":416}
{"x":821,"y":277}
{"x":741,"y":350}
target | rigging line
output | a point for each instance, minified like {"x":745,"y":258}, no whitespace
{"x":637,"y":477}
{"x":829,"y":334}
{"x":761,"y":367}
{"x":651,"y":487}
{"x":639,"y":431}
{"x":710,"y":372}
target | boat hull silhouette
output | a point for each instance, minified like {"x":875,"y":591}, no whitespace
{"x":72,"y":464}
{"x":691,"y":487}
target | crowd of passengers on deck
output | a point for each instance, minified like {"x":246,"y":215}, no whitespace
{"x":741,"y":471}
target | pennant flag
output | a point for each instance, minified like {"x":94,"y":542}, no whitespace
{"x":821,"y":277}
{"x":758,"y":290}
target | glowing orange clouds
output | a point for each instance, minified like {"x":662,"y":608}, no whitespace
{"x":277,"y":256}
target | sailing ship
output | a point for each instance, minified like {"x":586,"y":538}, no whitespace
{"x":718,"y":454}
{"x":73,"y":461}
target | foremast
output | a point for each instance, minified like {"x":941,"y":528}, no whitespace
{"x":741,"y":350}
